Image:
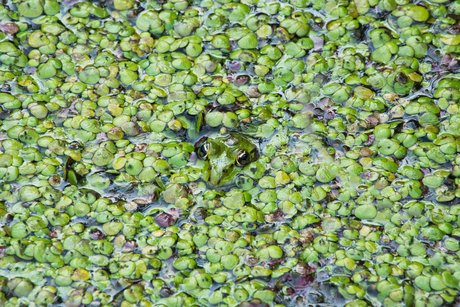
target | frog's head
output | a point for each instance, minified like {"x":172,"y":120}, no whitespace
{"x":222,"y":158}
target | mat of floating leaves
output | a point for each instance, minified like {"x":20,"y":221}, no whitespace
{"x":240,"y":153}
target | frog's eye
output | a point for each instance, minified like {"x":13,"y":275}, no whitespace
{"x":242,"y":157}
{"x":203,"y":151}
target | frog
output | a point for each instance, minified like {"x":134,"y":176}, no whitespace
{"x":222,"y":158}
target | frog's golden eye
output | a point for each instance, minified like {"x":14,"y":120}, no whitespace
{"x":203,"y":151}
{"x":242,"y":158}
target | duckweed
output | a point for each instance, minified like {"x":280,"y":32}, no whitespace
{"x":217,"y":153}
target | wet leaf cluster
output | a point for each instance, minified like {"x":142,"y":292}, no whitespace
{"x":229,"y":153}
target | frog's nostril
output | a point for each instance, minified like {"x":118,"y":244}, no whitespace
{"x":232,"y":141}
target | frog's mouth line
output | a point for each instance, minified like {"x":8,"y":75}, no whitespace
{"x":224,"y":171}
{"x":220,"y":179}
{"x":254,"y":153}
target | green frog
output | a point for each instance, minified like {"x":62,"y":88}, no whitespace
{"x":222,"y":158}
